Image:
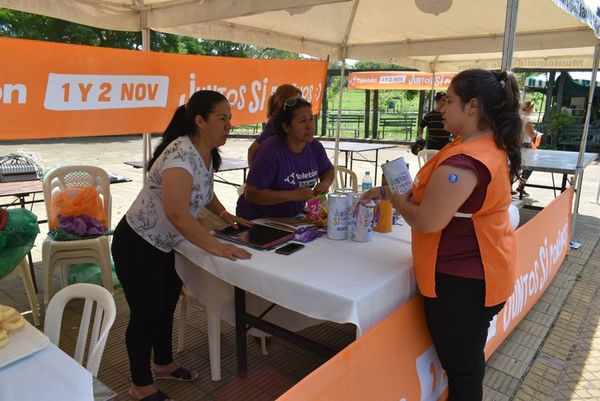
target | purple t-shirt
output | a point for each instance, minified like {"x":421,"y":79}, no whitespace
{"x":276,"y":167}
{"x":269,"y":130}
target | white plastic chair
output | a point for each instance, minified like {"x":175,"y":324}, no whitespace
{"x":424,"y":155}
{"x":340,"y":174}
{"x":65,"y":253}
{"x":241,"y":189}
{"x":104,"y":317}
{"x":22,"y":272}
{"x":211,"y":222}
{"x":213,"y":330}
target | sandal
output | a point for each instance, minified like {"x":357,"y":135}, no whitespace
{"x":180,"y":374}
{"x":158,"y":396}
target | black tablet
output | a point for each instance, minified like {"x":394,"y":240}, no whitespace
{"x":257,"y":236}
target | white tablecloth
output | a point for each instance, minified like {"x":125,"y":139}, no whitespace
{"x":340,"y":281}
{"x":48,"y":374}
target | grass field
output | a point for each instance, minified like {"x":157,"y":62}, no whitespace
{"x":391,"y":103}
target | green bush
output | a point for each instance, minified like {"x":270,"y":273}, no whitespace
{"x":559,"y":121}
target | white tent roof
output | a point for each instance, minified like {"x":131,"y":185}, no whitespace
{"x":469,"y":34}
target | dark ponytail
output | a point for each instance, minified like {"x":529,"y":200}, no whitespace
{"x":183,"y":123}
{"x":498,"y":96}
{"x":174,"y":130}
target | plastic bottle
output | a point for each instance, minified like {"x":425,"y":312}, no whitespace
{"x":367,"y":182}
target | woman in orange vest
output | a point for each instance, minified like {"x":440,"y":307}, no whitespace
{"x":462,"y":242}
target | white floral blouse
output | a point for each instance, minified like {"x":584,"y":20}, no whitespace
{"x":146,"y":216}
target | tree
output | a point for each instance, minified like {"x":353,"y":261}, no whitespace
{"x":16,"y":24}
{"x":371,"y":65}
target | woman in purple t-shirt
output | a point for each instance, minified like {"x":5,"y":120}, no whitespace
{"x":288,"y":169}
{"x":283,"y":92}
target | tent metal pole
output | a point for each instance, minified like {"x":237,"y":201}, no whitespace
{"x":431,"y":101}
{"x":433,"y":70}
{"x":579,"y":167}
{"x":510,"y":26}
{"x":336,"y":154}
{"x":146,"y":137}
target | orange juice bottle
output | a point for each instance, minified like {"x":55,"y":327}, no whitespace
{"x":384,"y":225}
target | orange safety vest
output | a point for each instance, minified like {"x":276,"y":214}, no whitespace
{"x":495,"y":236}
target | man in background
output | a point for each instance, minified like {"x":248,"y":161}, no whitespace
{"x":436,"y":137}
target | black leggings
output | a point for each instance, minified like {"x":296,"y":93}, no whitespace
{"x":458,"y":322}
{"x":151,"y":286}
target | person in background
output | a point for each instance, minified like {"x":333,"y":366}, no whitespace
{"x":179,"y":183}
{"x":437,"y":136}
{"x":283,"y":92}
{"x":288,"y":169}
{"x":464,"y":249}
{"x":529,"y":142}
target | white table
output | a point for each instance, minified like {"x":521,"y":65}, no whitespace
{"x":227,"y":164}
{"x":338,"y":281}
{"x":48,"y":374}
{"x":553,"y":161}
{"x":350,"y":148}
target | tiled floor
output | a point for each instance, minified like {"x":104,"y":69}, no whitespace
{"x":552,"y":355}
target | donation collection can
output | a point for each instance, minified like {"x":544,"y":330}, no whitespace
{"x":337,"y":216}
{"x":362,"y":221}
{"x":397,"y":175}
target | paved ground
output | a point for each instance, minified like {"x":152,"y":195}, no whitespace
{"x":552,"y":355}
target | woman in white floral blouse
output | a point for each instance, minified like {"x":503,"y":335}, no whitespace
{"x":179,"y":183}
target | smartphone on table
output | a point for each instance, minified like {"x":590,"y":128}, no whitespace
{"x":289,"y":248}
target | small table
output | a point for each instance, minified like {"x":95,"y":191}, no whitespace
{"x":46,"y":374}
{"x":21,"y":190}
{"x":349,"y":148}
{"x":227,"y":164}
{"x":339,"y":281}
{"x":231,"y":164}
{"x":553,"y":161}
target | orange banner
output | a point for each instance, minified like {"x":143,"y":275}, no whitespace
{"x":542,"y":245}
{"x":399,"y":80}
{"x":50,"y":90}
{"x":396,"y":359}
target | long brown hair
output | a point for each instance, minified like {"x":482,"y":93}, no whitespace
{"x":498,"y":95}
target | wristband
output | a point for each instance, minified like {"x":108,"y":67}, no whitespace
{"x":223,"y":213}
{"x":382,"y":192}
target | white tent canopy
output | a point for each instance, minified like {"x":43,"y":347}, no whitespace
{"x":468,"y":35}
{"x":549,"y":34}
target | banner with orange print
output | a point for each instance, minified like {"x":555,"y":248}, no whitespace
{"x":396,"y":359}
{"x":399,"y":80}
{"x":50,"y":90}
{"x":542,"y":245}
